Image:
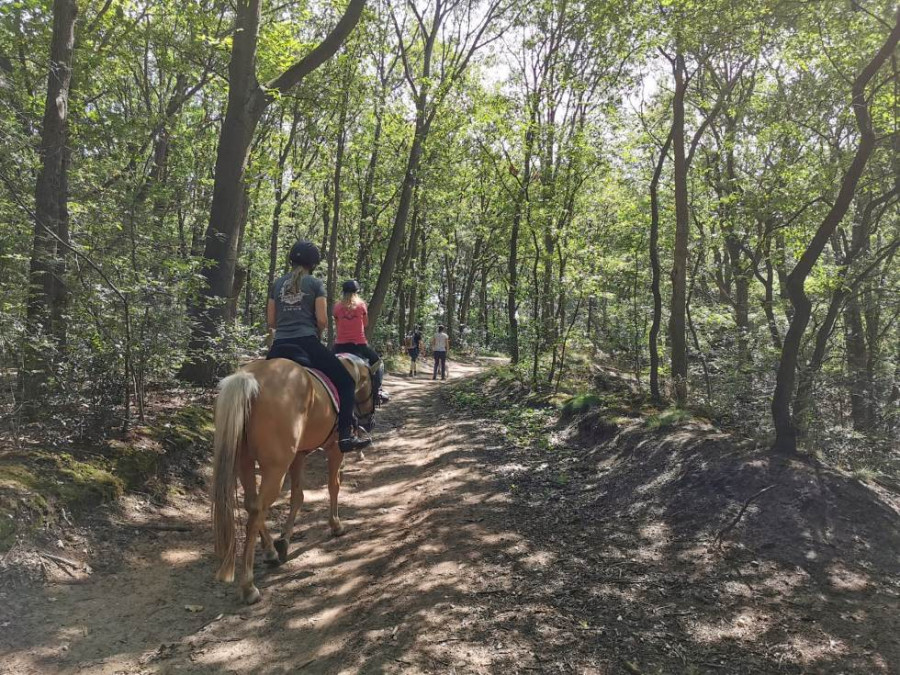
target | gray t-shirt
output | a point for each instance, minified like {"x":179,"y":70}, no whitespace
{"x":295,"y":313}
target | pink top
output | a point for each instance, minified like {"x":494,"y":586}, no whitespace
{"x":350,"y":323}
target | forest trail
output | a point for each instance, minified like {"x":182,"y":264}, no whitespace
{"x":468,"y":552}
{"x":405,"y":590}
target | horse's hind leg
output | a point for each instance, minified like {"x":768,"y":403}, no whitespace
{"x":269,"y":488}
{"x":335,"y":457}
{"x":247,"y":474}
{"x":297,"y":472}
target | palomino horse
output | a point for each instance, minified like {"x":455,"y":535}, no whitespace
{"x":273,"y":413}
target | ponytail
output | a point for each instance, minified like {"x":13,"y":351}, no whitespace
{"x":296,"y":274}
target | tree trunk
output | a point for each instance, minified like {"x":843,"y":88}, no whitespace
{"x":413,"y":270}
{"x":221,"y":242}
{"x":741,"y":282}
{"x":512,"y":303}
{"x":47,"y":292}
{"x":247,"y":100}
{"x":336,"y":208}
{"x":785,"y":426}
{"x":465,"y":304}
{"x":483,"y":306}
{"x":677,"y":336}
{"x":857,"y":360}
{"x":424,"y":116}
{"x":450,"y":301}
{"x":367,"y":215}
{"x":281,"y":196}
{"x":655,"y":273}
{"x":398,"y":232}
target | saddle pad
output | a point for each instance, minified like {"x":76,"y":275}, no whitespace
{"x":353,"y":357}
{"x":329,"y":387}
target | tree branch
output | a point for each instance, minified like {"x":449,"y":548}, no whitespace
{"x":322,"y":52}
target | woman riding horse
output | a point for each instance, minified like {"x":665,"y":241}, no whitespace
{"x":351,"y":318}
{"x":297,"y":313}
{"x":273,"y":413}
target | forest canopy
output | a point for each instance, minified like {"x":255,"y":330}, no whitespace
{"x":703,"y":194}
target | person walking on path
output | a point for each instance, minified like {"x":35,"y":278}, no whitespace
{"x":440,"y":345}
{"x":351,"y":318}
{"x":413,"y":349}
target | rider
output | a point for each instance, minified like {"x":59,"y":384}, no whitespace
{"x":296,"y":311}
{"x":351,"y":318}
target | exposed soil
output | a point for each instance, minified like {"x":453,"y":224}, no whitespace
{"x":609,"y":553}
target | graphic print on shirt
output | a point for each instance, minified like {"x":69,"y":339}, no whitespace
{"x":290,"y":299}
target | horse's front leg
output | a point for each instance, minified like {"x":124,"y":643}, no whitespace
{"x":335,"y":458}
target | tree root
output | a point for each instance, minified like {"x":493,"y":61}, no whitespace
{"x":725,"y":530}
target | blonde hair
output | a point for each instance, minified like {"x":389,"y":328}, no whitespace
{"x":297,"y":273}
{"x":351,"y":299}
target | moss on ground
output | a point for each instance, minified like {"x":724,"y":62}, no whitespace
{"x":669,"y":418}
{"x":190,"y":427}
{"x":36,"y":484}
{"x":580,"y":403}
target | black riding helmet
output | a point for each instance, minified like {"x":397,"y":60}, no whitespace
{"x":306,"y":254}
{"x":351,"y":286}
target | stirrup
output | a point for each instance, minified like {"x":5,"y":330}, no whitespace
{"x":353,"y":444}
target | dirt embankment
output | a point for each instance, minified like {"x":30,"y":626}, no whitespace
{"x":685,"y":550}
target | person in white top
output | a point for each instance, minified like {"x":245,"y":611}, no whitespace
{"x":440,"y":345}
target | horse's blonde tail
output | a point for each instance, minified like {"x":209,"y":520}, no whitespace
{"x":236,"y":393}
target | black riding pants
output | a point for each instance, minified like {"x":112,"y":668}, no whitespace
{"x":328,"y":363}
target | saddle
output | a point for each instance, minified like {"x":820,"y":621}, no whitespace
{"x":298,"y":355}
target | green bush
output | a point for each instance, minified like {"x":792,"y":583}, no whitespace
{"x":668,"y":418}
{"x":580,"y":403}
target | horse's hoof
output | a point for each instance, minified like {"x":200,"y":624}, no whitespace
{"x":272,"y":557}
{"x":250,"y":595}
{"x":281,"y":547}
{"x":337,"y":530}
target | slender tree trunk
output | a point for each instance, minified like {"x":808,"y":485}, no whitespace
{"x":398,"y":232}
{"x":512,"y":302}
{"x":768,"y":282}
{"x":424,"y":116}
{"x":450,"y":302}
{"x":367,"y":199}
{"x":413,"y":271}
{"x":785,"y":426}
{"x":336,"y":208}
{"x":281,"y":196}
{"x":465,"y":304}
{"x":655,"y":272}
{"x":483,"y":306}
{"x":47,"y":291}
{"x":807,"y":375}
{"x":741,"y":295}
{"x":677,"y":336}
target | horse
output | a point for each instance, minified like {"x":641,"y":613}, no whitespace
{"x":274,"y":413}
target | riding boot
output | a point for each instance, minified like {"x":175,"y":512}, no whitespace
{"x":350,"y":443}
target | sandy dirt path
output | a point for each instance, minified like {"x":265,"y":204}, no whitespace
{"x":413,"y":586}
